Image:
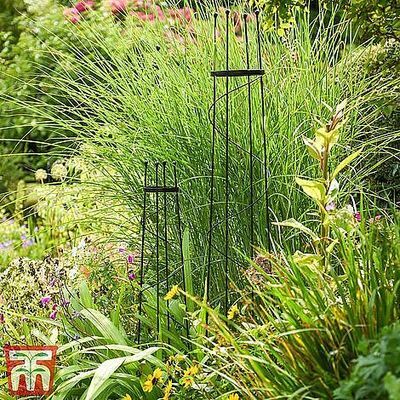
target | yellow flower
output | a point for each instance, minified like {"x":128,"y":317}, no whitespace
{"x":191,"y":371}
{"x":157,"y":374}
{"x":233,"y":396}
{"x":172,"y":293}
{"x":148,"y":385}
{"x":167,"y":390}
{"x":233,"y":311}
{"x":187,"y":381}
{"x":152,"y":380}
{"x":127,"y":397}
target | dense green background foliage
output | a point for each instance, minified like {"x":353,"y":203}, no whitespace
{"x":115,"y":90}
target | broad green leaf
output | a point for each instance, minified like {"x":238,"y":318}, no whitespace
{"x":345,"y":163}
{"x":313,"y":147}
{"x":292,"y":223}
{"x":107,"y":368}
{"x":305,"y":259}
{"x":104,"y":326}
{"x":315,"y":189}
{"x":84,"y":295}
{"x":327,"y":138}
{"x":392,"y":385}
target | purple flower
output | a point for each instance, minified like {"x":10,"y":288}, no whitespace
{"x":65,"y":303}
{"x":27,"y":243}
{"x":2,"y":319}
{"x":131,"y":276}
{"x":6,"y":245}
{"x":44,"y":301}
{"x":53,"y":315}
{"x":130,"y":259}
{"x":330,"y":206}
{"x":357,"y":216}
{"x":54,"y":307}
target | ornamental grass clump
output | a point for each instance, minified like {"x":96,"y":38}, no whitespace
{"x":143,"y":92}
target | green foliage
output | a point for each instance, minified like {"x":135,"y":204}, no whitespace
{"x":23,"y":55}
{"x":376,"y":18}
{"x":27,"y":64}
{"x":103,"y":361}
{"x":325,"y":189}
{"x":125,"y":118}
{"x":376,"y":374}
{"x":299,"y":328}
{"x":19,"y":239}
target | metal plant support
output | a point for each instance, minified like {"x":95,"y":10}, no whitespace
{"x":253,"y":76}
{"x":157,"y":190}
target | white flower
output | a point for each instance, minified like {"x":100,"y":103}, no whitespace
{"x":40,"y":175}
{"x":59,"y":171}
{"x":73,"y":272}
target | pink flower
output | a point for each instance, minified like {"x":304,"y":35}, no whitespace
{"x":118,"y":6}
{"x":160,"y":13}
{"x":141,"y":4}
{"x":130,"y":259}
{"x":72,"y":15}
{"x":53,"y":315}
{"x":84,"y":5}
{"x":375,"y":219}
{"x":185,"y":13}
{"x":144,"y":16}
{"x":44,"y":301}
{"x":357,"y":216}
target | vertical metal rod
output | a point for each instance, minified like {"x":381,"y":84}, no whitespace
{"x":227,"y":12}
{"x":264,"y":134}
{"x":157,"y":251}
{"x":246,"y":36}
{"x":214,"y":131}
{"x":143,"y":223}
{"x":166,"y":242}
{"x":178,"y":212}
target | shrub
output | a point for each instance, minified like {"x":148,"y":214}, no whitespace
{"x":376,"y":373}
{"x":378,"y":19}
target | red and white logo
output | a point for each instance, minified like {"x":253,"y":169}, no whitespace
{"x":30,"y":369}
